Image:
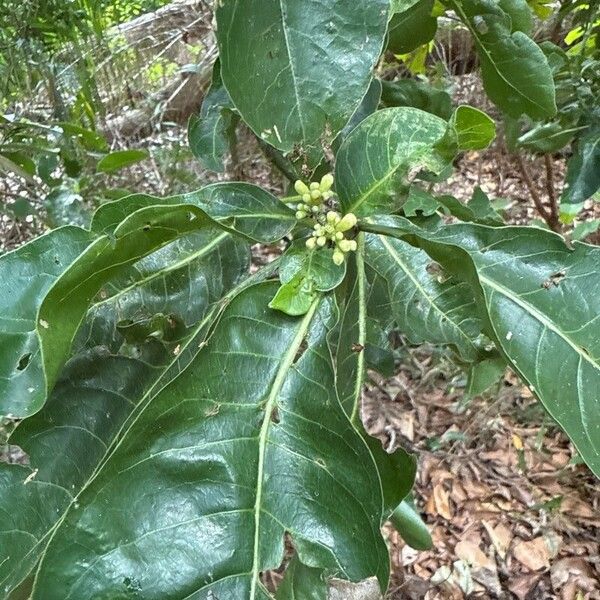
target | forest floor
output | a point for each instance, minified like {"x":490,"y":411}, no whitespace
{"x":513,"y":514}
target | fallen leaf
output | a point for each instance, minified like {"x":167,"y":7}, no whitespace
{"x":500,"y":536}
{"x":535,"y":554}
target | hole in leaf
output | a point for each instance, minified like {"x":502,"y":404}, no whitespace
{"x":275,"y":415}
{"x":24,"y":361}
{"x":301,"y":350}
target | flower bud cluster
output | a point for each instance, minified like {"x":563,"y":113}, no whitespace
{"x":313,"y":196}
{"x":333,"y":229}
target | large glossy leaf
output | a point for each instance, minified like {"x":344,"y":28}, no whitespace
{"x":195,"y":498}
{"x":26,"y":275}
{"x":515,"y":71}
{"x":126,"y":231}
{"x":110,"y":374}
{"x":242,"y":208}
{"x":426,"y":305}
{"x":376,"y":161}
{"x":298,"y":70}
{"x":541,"y":300}
{"x":302,"y":583}
{"x":212,"y":132}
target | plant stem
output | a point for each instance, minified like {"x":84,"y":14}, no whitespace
{"x":535,"y":196}
{"x":554,"y":218}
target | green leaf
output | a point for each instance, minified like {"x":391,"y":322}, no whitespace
{"x":426,"y":305}
{"x":302,"y":583}
{"x":541,"y":301}
{"x":515,"y":71}
{"x":66,"y":207}
{"x":472,"y":129}
{"x":89,"y":139}
{"x":483,"y":375}
{"x":547,"y":137}
{"x":120,"y":159}
{"x":295,"y":297}
{"x":238,"y":208}
{"x":65,"y":305}
{"x":399,"y":142}
{"x":418,"y":94}
{"x":420,"y":201}
{"x":26,"y":275}
{"x":316,"y":266}
{"x":582,"y":230}
{"x":583,"y":170}
{"x":244,"y":208}
{"x":412,"y":27}
{"x":520,"y":15}
{"x":211,"y":132}
{"x":248,"y":453}
{"x":295,"y":71}
{"x":411,"y":527}
{"x":101,"y":385}
{"x":478,"y":210}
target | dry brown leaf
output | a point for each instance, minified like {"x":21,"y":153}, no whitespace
{"x":500,"y":536}
{"x":572,"y":575}
{"x":522,"y":585}
{"x":441,"y":502}
{"x":536,"y":554}
{"x":483,"y":568}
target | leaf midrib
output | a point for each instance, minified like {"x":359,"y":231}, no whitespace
{"x":278,"y":382}
{"x":539,"y":316}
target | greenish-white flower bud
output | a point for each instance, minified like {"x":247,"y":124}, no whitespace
{"x":301,"y":187}
{"x":339,"y":235}
{"x":314,"y":186}
{"x":347,"y":245}
{"x":300,"y":214}
{"x":326,"y":182}
{"x":347,"y":222}
{"x":315,"y":209}
{"x":333,"y":217}
{"x":327,"y":195}
{"x":311,"y":242}
{"x":321,"y":241}
{"x":306,"y":197}
{"x":315,"y":195}
{"x":338,"y":257}
{"x":300,"y":206}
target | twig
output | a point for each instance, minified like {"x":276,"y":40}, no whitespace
{"x":535,"y":196}
{"x":554,"y":218}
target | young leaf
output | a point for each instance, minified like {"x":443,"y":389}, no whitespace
{"x":298,"y":69}
{"x":515,"y":71}
{"x":471,"y":129}
{"x":398,"y":142}
{"x":120,"y":159}
{"x":211,"y":132}
{"x":541,"y":301}
{"x":247,"y":454}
